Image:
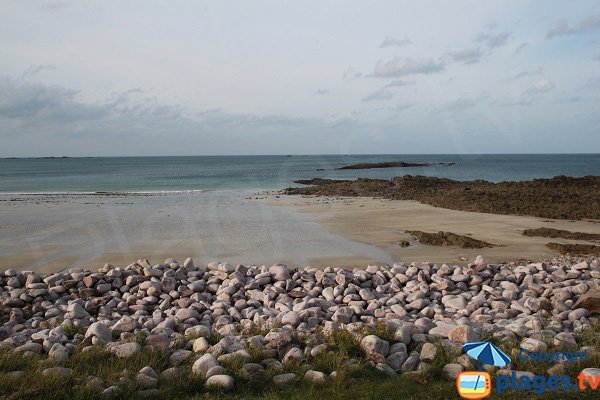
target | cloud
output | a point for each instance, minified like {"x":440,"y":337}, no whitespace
{"x":562,"y":27}
{"x":540,"y":86}
{"x":351,"y":73}
{"x":464,"y":103}
{"x":381,"y":94}
{"x":466,"y":56}
{"x":493,"y":40}
{"x":36,"y":69}
{"x":391,"y":41}
{"x":526,"y":73}
{"x":399,"y":83}
{"x":485,"y":41}
{"x":521,"y":47}
{"x":20,"y":100}
{"x":401,"y":66}
{"x":596,"y":57}
{"x":321,"y":92}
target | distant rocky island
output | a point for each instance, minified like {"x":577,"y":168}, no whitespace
{"x":392,"y":164}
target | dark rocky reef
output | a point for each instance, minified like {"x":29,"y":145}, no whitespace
{"x":559,"y":233}
{"x":389,"y":164}
{"x":560,"y":197}
{"x":449,"y":239}
{"x":575,"y":249}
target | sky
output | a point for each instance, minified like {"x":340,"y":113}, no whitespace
{"x":100,"y":78}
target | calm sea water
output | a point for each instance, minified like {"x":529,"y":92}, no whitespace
{"x":148,"y":174}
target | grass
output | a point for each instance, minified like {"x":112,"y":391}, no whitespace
{"x":73,"y":329}
{"x":357,"y":382}
{"x":381,"y":330}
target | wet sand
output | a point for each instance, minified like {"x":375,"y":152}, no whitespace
{"x":55,"y":232}
{"x":382,"y":223}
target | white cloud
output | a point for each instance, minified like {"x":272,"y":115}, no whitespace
{"x":401,"y":66}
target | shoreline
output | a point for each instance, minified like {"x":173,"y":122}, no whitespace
{"x":243,"y":226}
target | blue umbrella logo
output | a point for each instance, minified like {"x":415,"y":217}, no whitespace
{"x":487,"y":353}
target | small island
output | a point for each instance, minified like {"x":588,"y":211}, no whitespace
{"x":393,"y":164}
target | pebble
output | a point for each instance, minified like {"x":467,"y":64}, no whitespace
{"x":223,"y":382}
{"x":284,"y":379}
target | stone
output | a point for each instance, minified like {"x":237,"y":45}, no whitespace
{"x":203,"y":364}
{"x":456,"y":302}
{"x":30,"y":347}
{"x":452,"y":370}
{"x":99,"y":330}
{"x":125,"y":324}
{"x":428,"y":352}
{"x":291,"y":318}
{"x":463,"y":334}
{"x":186,"y":313}
{"x":578,"y":314}
{"x":76,"y":311}
{"x":565,"y":340}
{"x":589,"y":301}
{"x":200,"y":345}
{"x":343,"y":315}
{"x":293,"y":355}
{"x":397,"y":359}
{"x":146,"y":382}
{"x":179,"y":356}
{"x":223,"y":382}
{"x":285,"y":379}
{"x":279,"y":272}
{"x":373,"y":344}
{"x":126,"y":350}
{"x":217,"y":370}
{"x":533,"y":345}
{"x":149,"y":372}
{"x":315,"y":377}
{"x":171,"y":373}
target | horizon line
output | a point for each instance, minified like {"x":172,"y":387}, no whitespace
{"x":295,"y":155}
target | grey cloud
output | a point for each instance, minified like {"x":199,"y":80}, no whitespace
{"x":596,"y":57}
{"x":128,"y":122}
{"x":466,"y":56}
{"x":493,"y":40}
{"x":19,"y":99}
{"x":526,"y":73}
{"x":399,"y":83}
{"x":464,"y":103}
{"x":381,"y":94}
{"x":401,"y":66}
{"x":36,"y":69}
{"x":521,"y":47}
{"x":321,"y":92}
{"x":562,"y":28}
{"x":391,"y":41}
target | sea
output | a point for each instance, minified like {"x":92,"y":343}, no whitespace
{"x":213,"y":173}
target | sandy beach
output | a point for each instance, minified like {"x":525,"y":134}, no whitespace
{"x":54,"y":232}
{"x":382,"y":223}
